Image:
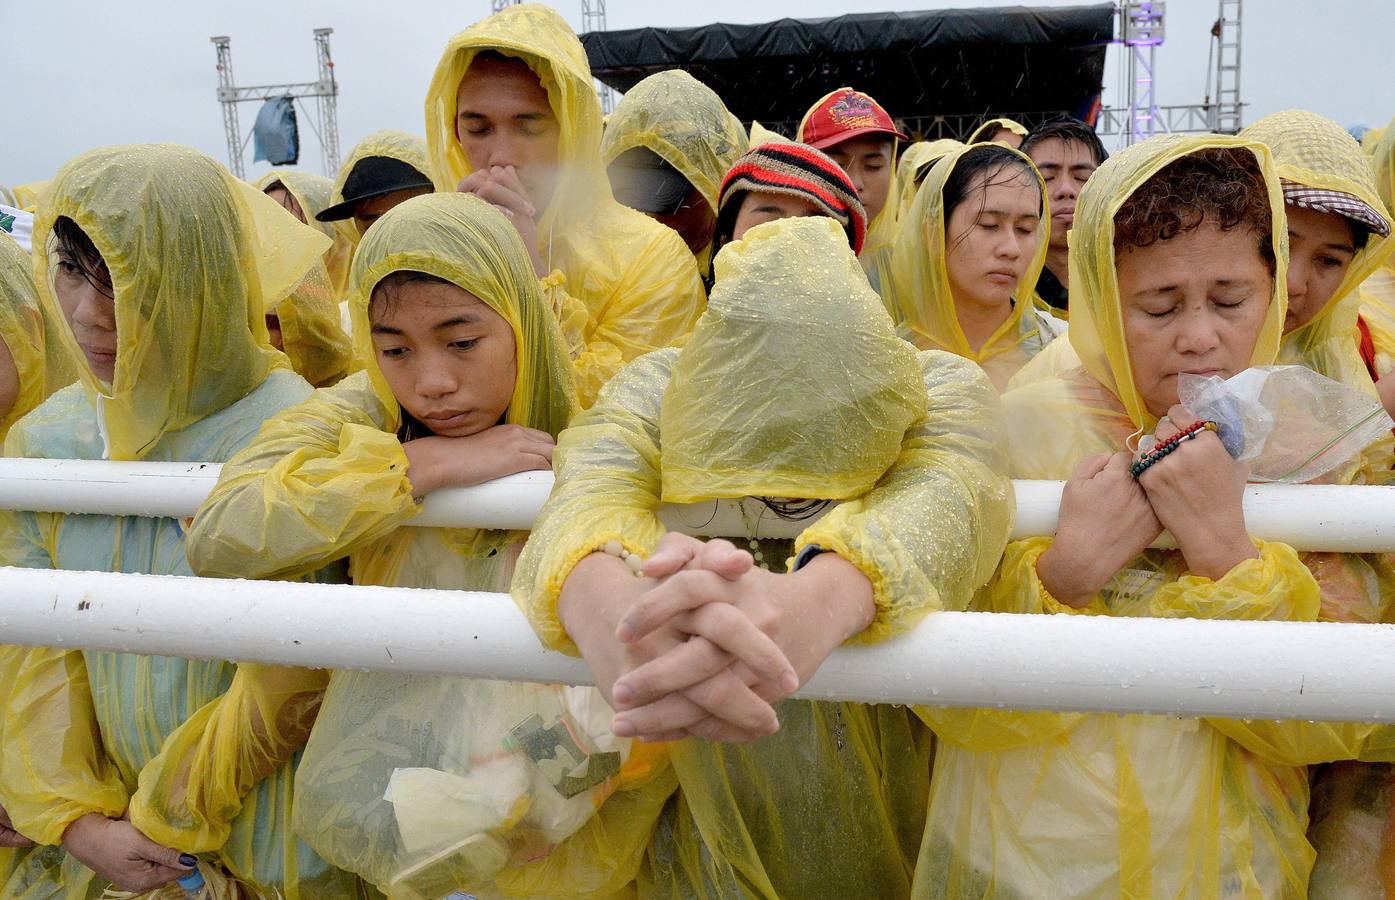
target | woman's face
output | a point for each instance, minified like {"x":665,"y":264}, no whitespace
{"x":1194,"y":303}
{"x":287,"y":200}
{"x":759,"y":207}
{"x":91,"y":313}
{"x":1320,"y":249}
{"x":991,"y":237}
{"x":448,"y":357}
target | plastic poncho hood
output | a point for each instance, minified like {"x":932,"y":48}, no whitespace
{"x":40,"y":361}
{"x":794,"y":383}
{"x":399,"y":145}
{"x":314,"y":194}
{"x":684,"y":122}
{"x":1318,"y":153}
{"x":912,"y":158}
{"x":312,"y":331}
{"x":191,"y":337}
{"x":464,"y":240}
{"x":1096,"y":321}
{"x":540,"y":37}
{"x":920,"y":294}
{"x":985,"y":132}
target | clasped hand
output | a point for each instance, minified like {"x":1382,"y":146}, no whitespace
{"x":1107,"y":517}
{"x":706,"y":642}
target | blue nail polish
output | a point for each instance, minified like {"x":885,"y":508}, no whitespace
{"x":188,"y":860}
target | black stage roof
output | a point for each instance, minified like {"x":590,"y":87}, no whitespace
{"x":966,"y":63}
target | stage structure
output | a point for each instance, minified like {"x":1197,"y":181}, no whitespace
{"x":940,"y":73}
{"x":325,"y":91}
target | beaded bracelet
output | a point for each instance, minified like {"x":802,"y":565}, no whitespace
{"x":1163,"y":450}
{"x":633,"y":560}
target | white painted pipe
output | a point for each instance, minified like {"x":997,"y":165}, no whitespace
{"x":1308,"y":517}
{"x":1258,"y":670}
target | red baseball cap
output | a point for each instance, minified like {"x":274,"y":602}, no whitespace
{"x":842,"y":115}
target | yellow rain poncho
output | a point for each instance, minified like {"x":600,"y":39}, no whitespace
{"x":918,"y":292}
{"x":42,"y":368}
{"x":686,"y":124}
{"x":759,"y":134}
{"x":636,"y":279}
{"x":991,"y":127}
{"x":314,"y":194}
{"x":39,"y":359}
{"x":1378,"y":291}
{"x":793,"y":384}
{"x":90,"y":731}
{"x":27,"y":195}
{"x":1037,"y":804}
{"x":327,"y":480}
{"x":913,"y":158}
{"x":399,"y":145}
{"x":1318,"y":153}
{"x":311,"y":332}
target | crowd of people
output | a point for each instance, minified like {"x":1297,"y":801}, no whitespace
{"x":865,"y":334}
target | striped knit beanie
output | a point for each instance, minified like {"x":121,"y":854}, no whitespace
{"x":783,"y":167}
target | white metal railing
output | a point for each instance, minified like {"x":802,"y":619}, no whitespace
{"x":1308,"y":517}
{"x":1278,"y":670}
{"x":1257,"y":670}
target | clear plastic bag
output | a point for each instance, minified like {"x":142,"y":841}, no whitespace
{"x":426,"y":785}
{"x":1288,"y":422}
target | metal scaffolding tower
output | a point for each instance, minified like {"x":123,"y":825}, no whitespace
{"x":325,"y":90}
{"x":1141,"y":32}
{"x":593,"y":19}
{"x":1225,"y":114}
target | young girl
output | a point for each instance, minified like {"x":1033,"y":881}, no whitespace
{"x":966,"y":263}
{"x":174,"y":366}
{"x":1178,"y":269}
{"x":415,"y":782}
{"x":307,"y":325}
{"x":793,"y":385}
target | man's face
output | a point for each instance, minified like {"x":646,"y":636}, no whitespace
{"x":503,"y":118}
{"x":366,"y":212}
{"x":693,"y":220}
{"x":1065,"y":166}
{"x":867,"y":160}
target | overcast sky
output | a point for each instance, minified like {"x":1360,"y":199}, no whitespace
{"x":83,"y":73}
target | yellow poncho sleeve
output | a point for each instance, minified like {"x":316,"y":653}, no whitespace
{"x":54,"y":769}
{"x":952,"y":473}
{"x":607,"y":488}
{"x":191,"y":792}
{"x":321,"y":481}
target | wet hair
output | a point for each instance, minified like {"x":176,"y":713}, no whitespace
{"x":385,"y":296}
{"x":1070,"y":130}
{"x":388,"y":290}
{"x":988,"y":160}
{"x":1220,"y":185}
{"x":77,"y":248}
{"x":794,"y":510}
{"x":722,"y":232}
